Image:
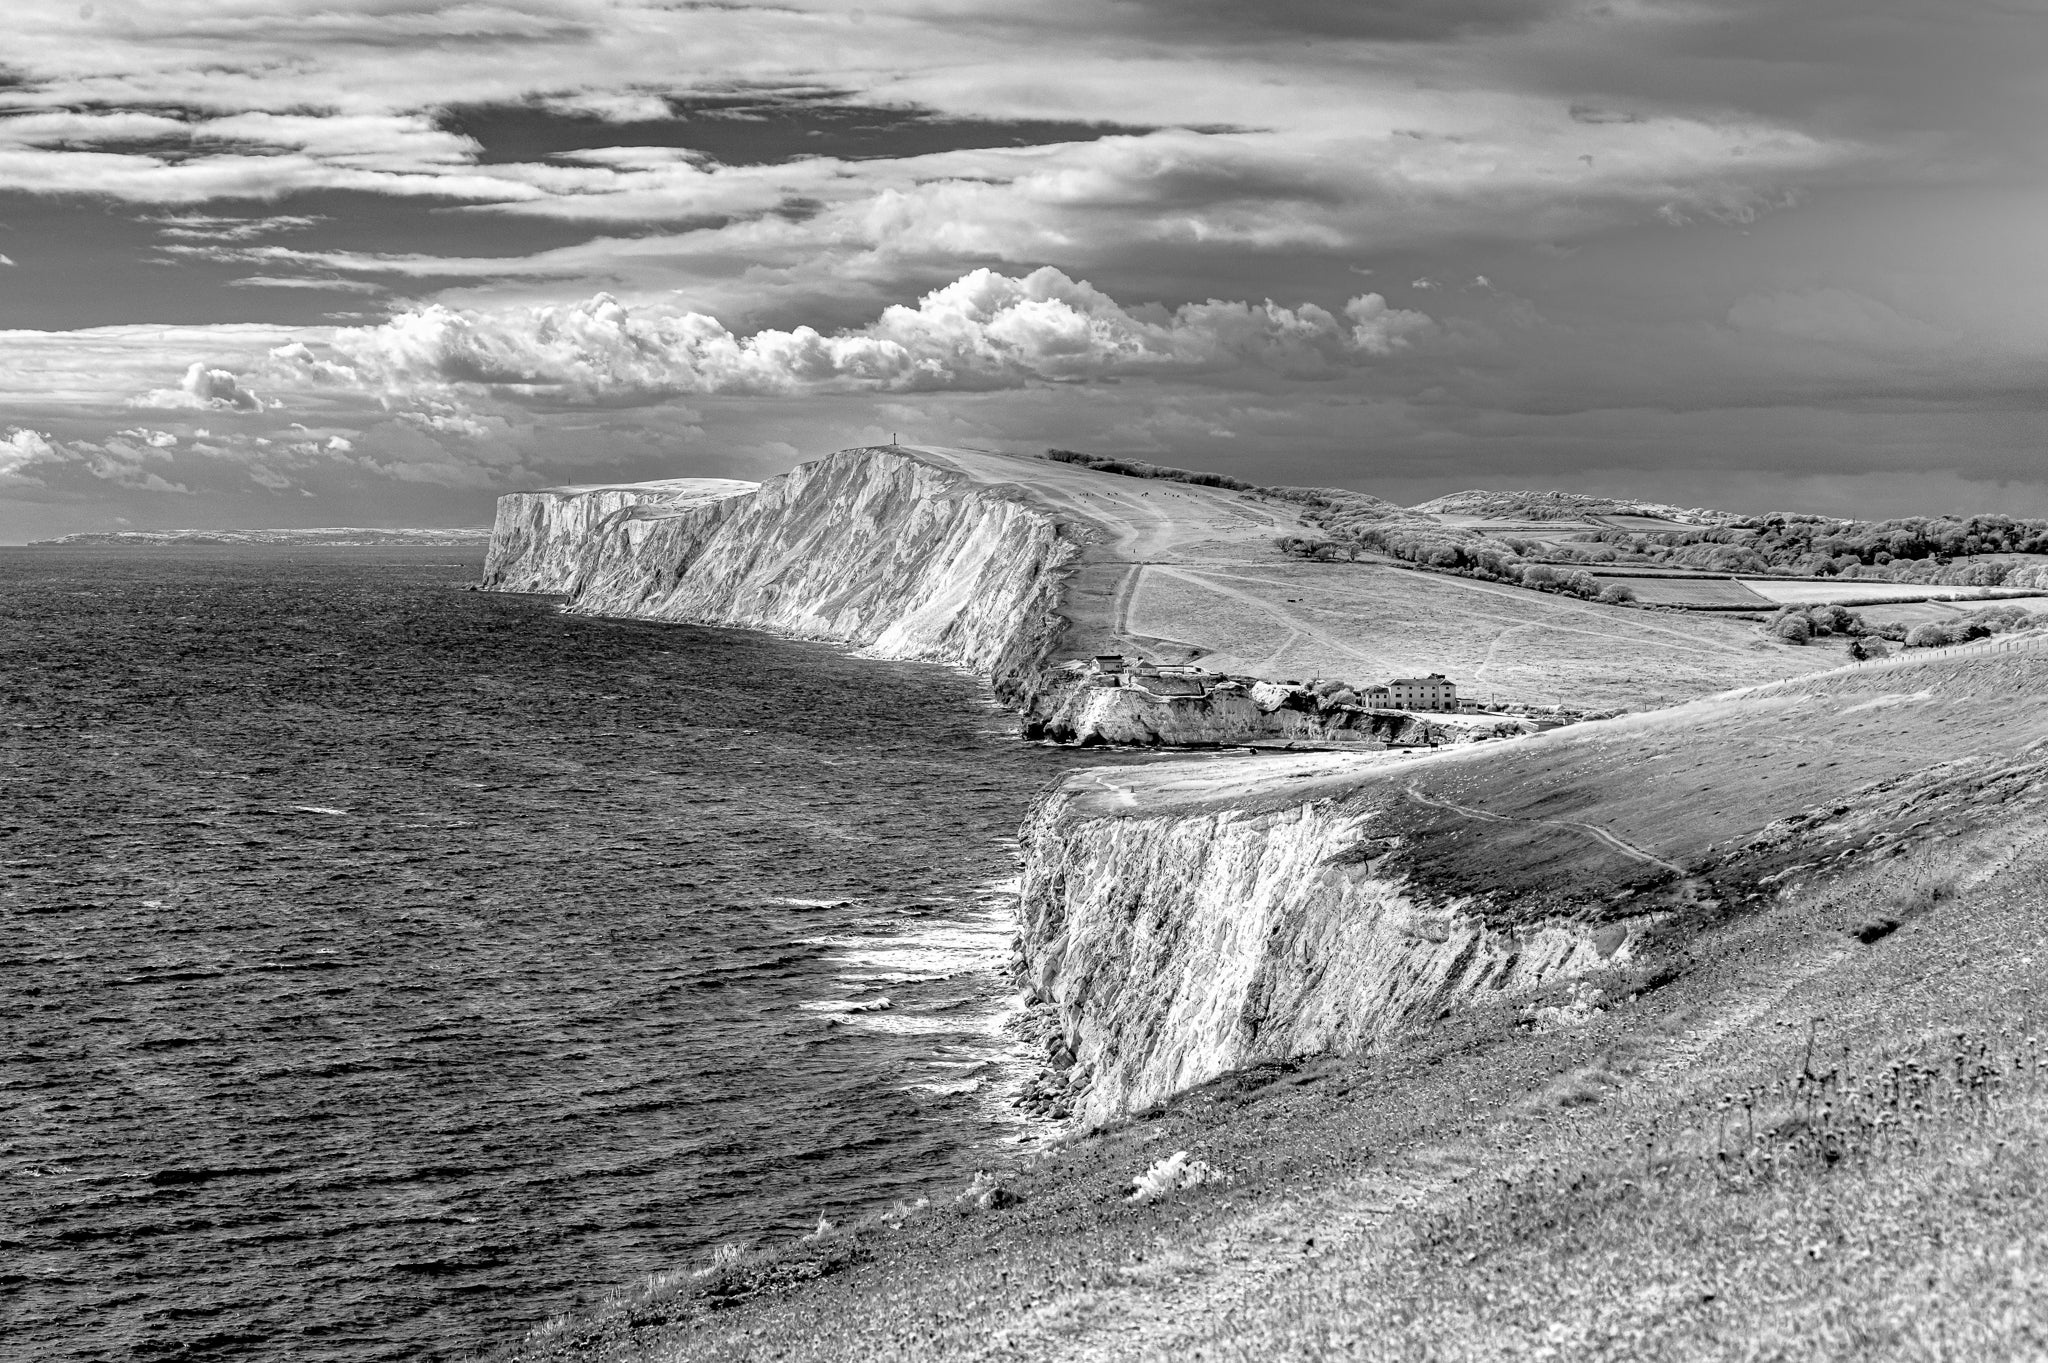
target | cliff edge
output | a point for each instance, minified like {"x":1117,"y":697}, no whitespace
{"x":1187,"y":919}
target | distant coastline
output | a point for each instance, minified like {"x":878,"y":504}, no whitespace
{"x":320,"y":535}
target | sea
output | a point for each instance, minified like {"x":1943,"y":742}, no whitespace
{"x":387,"y":966}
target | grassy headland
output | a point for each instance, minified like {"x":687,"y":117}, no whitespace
{"x":1806,"y":1121}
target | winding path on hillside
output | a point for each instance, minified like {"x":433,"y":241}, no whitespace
{"x":1301,"y":628}
{"x":1594,"y":831}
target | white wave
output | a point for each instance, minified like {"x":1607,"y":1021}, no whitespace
{"x":846,"y":1006}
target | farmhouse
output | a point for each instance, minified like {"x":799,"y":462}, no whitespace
{"x":1434,"y":692}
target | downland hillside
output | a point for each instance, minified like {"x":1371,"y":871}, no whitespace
{"x":1797,"y":1110}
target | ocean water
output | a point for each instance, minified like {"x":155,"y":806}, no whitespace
{"x":386,"y":966}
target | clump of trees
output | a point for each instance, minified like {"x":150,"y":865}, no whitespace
{"x":1978,"y":624}
{"x":1913,"y":548}
{"x":1138,"y":468}
{"x":1457,"y":551}
{"x":1319,"y":548}
{"x":1804,"y":624}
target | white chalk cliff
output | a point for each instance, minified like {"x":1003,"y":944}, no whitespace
{"x":1182,"y":934}
{"x":895,"y":554}
{"x":539,"y":538}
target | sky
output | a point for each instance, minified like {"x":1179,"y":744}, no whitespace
{"x":378,"y":262}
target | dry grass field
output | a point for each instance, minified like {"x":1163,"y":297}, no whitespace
{"x":1368,"y":621}
{"x":1808,"y":1123}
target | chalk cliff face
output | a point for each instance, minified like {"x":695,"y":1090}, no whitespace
{"x":875,"y":548}
{"x":1176,"y":946}
{"x":539,"y":538}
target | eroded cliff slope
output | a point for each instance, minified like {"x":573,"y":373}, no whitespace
{"x":539,"y":538}
{"x":1187,"y":919}
{"x":894,"y":554}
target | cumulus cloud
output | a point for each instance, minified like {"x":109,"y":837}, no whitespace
{"x":119,"y":460}
{"x":204,"y":390}
{"x":20,"y":447}
{"x":985,"y":330}
{"x":448,"y":418}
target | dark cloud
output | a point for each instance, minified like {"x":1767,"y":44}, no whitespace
{"x":757,"y":129}
{"x":94,"y":264}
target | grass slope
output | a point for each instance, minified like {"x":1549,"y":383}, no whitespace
{"x":1763,"y":1140}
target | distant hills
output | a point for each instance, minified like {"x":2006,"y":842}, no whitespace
{"x":320,"y":535}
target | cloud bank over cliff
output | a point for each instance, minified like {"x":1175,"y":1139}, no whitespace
{"x":983,"y":331}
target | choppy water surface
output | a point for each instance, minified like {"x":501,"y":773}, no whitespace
{"x":387,"y":965}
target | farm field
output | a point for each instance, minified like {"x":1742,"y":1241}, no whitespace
{"x":1910,"y":613}
{"x":1804,"y":593}
{"x":1543,"y":532}
{"x":1651,"y":524}
{"x":1290,"y":618}
{"x":1689,"y":591}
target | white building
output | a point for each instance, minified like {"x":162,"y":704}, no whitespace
{"x":1434,"y":692}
